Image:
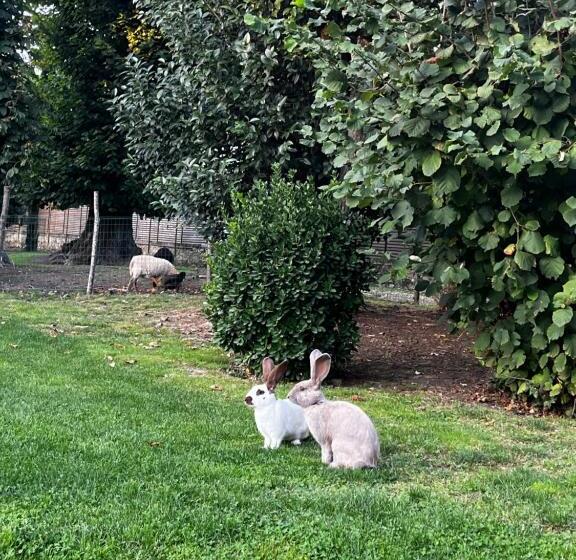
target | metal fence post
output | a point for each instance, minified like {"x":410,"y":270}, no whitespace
{"x":90,"y":286}
{"x":149,"y":234}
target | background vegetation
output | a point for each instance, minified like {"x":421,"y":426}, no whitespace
{"x":454,"y":121}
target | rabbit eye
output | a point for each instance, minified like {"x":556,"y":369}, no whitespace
{"x":301,"y":388}
{"x":259,"y":392}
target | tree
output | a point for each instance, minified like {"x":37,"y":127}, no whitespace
{"x":80,"y":49}
{"x":13,"y":122}
{"x":459,"y":120}
{"x":217,"y":109}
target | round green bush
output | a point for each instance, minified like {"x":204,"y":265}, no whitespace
{"x":289,"y":275}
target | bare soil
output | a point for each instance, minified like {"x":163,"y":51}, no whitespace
{"x":402,"y":348}
{"x":406,"y":348}
{"x":63,"y":278}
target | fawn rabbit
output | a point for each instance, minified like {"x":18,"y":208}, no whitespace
{"x":345,"y":433}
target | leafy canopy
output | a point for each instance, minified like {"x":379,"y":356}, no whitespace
{"x":79,"y":51}
{"x":15,"y":103}
{"x":458,"y":119}
{"x":217,"y":109}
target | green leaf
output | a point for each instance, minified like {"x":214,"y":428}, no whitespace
{"x":489,"y":241}
{"x":570,"y":345}
{"x":561,"y":317}
{"x":533,"y":242}
{"x":551,"y":267}
{"x":482,"y":342}
{"x":568,"y":213}
{"x":403,"y":212}
{"x":485,"y":91}
{"x":554,"y":332}
{"x":431,"y":162}
{"x":541,"y":45}
{"x":525,"y":261}
{"x":560,"y":363}
{"x":416,"y":127}
{"x":511,"y":196}
{"x":335,"y":80}
{"x":511,"y":135}
{"x":447,"y":181}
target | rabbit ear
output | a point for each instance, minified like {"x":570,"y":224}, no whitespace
{"x":321,"y":368}
{"x":275,"y":375}
{"x":314,"y":355}
{"x":267,"y":367}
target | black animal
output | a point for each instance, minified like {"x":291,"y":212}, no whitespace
{"x":165,"y":253}
{"x":170,"y":282}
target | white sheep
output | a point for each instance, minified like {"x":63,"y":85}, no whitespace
{"x":149,"y":267}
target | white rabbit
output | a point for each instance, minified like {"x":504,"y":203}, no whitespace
{"x":276,"y":420}
{"x":345,"y":433}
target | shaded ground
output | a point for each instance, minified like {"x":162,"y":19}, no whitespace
{"x":408,"y":348}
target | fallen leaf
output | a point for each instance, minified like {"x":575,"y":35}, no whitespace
{"x":12,"y":345}
{"x":155,"y":443}
{"x":215,"y":387}
{"x":130,"y":362}
{"x":357,"y":398}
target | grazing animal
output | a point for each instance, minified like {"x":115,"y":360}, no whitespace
{"x":170,"y":282}
{"x":345,"y":433}
{"x":165,"y":253}
{"x":276,"y":420}
{"x":149,"y":267}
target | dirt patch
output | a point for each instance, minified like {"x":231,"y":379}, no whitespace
{"x":62,"y":278}
{"x":403,"y":346}
{"x":192,"y":324}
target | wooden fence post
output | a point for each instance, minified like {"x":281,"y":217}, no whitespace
{"x":90,"y":286}
{"x":4,"y":214}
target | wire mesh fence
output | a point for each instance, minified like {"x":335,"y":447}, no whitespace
{"x":51,"y":251}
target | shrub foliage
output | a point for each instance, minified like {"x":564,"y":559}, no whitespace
{"x":458,"y":118}
{"x":289,"y":275}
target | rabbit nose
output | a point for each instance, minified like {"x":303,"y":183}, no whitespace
{"x":248,"y":400}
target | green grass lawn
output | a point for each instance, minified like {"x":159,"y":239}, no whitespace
{"x":115,"y":445}
{"x":22,"y":258}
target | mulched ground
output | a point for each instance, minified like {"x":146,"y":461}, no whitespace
{"x":406,"y":348}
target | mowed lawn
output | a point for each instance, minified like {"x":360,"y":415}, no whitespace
{"x":118,"y":440}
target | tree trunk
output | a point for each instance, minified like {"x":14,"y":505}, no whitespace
{"x":4,"y":214}
{"x":116,"y":243}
